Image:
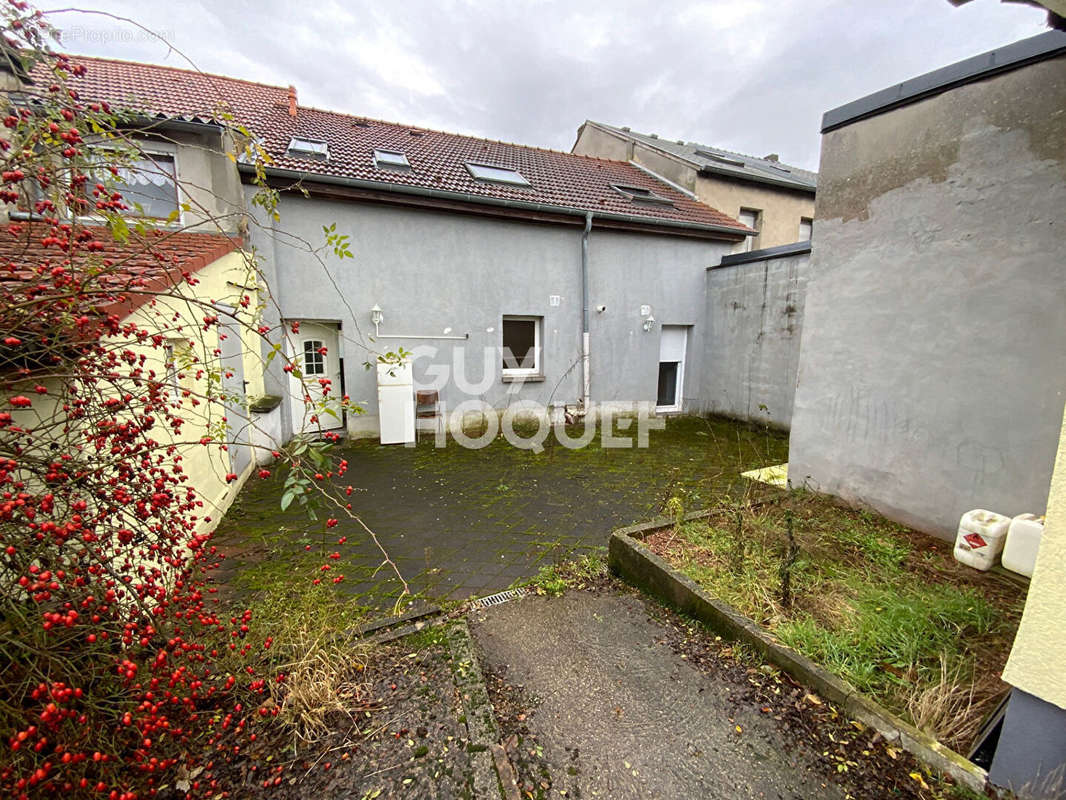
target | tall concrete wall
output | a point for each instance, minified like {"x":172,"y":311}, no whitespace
{"x":432,"y":272}
{"x":753,"y":317}
{"x":933,"y":358}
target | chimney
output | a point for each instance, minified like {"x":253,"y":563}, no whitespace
{"x":772,"y":157}
{"x":292,"y":101}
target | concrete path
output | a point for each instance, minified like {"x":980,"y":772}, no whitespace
{"x":595,"y":703}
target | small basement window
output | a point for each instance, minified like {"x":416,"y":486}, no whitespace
{"x":521,"y":346}
{"x":300,"y":147}
{"x":806,"y":229}
{"x":639,"y":194}
{"x":391,"y":159}
{"x":488,"y":172}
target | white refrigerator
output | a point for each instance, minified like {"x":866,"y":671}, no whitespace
{"x":396,"y":403}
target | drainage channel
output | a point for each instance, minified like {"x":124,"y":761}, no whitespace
{"x":498,"y":598}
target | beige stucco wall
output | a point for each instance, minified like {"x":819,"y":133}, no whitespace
{"x":781,"y":208}
{"x":223,"y":281}
{"x":592,"y":141}
{"x":1037,"y":663}
{"x":178,"y":316}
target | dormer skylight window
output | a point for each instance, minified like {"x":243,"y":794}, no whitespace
{"x":391,"y":159}
{"x":733,"y":162}
{"x":299,"y":147}
{"x":493,"y":174}
{"x":638,"y":194}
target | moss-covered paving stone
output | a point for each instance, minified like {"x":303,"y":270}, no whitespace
{"x":460,"y":522}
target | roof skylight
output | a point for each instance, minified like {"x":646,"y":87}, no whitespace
{"x":733,"y":162}
{"x":308,"y":148}
{"x":488,"y":172}
{"x":639,"y":194}
{"x":391,"y":159}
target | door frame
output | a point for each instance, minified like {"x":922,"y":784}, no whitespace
{"x":295,"y":354}
{"x":680,"y":384}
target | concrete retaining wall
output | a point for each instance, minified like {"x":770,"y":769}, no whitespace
{"x":933,"y":358}
{"x":754,"y":317}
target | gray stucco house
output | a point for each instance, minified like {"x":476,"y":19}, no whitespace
{"x":467,"y":246}
{"x":512,"y":274}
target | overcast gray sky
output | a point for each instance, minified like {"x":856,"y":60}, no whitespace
{"x":749,"y":75}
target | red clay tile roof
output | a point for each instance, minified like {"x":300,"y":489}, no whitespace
{"x":437,"y":159}
{"x":170,"y":92}
{"x":135,"y":268}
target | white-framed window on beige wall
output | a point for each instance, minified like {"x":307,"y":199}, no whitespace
{"x":752,"y":217}
{"x":806,"y":229}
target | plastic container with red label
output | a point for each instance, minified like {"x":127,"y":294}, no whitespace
{"x":980,"y":538}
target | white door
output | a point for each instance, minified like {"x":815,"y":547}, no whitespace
{"x":672,"y":344}
{"x":315,"y":352}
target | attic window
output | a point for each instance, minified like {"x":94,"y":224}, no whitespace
{"x":639,"y":194}
{"x":308,"y":148}
{"x":488,"y":172}
{"x":733,"y":162}
{"x":391,"y":159}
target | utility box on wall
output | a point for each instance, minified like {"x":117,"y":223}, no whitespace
{"x":396,"y":403}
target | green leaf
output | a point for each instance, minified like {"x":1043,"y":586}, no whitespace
{"x":286,"y":499}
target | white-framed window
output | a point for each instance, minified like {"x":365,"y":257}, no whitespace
{"x":521,"y":346}
{"x":806,"y":229}
{"x":752,"y":217}
{"x":496,"y":174}
{"x":314,"y":357}
{"x":303,"y":147}
{"x":391,"y":159}
{"x":147,"y":181}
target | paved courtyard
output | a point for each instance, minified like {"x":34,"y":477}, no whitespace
{"x":462,"y":522}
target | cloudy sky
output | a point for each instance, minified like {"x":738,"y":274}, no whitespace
{"x":749,"y":75}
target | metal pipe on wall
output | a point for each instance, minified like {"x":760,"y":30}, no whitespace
{"x":586,"y":381}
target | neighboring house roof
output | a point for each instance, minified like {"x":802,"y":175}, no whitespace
{"x":170,"y":92}
{"x":438,"y":160}
{"x":1012,"y":56}
{"x":721,"y":162}
{"x":133,"y":269}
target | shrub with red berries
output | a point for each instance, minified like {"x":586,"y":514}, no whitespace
{"x":119,"y":672}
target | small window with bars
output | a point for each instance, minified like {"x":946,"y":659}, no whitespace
{"x":314,"y":357}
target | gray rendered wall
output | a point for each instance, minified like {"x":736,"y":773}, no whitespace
{"x":1030,"y":758}
{"x":433,"y":270}
{"x":754,"y":316}
{"x":933,"y":357}
{"x":626,"y":271}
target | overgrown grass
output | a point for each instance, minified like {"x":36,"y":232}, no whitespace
{"x":311,"y":644}
{"x":883,"y":607}
{"x":554,"y":579}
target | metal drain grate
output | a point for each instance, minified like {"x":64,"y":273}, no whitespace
{"x":499,"y":597}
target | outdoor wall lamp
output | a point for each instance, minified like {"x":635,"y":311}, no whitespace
{"x":376,"y":317}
